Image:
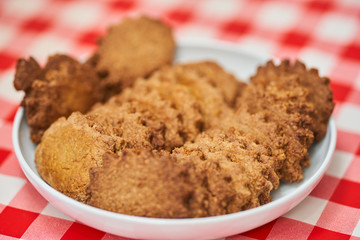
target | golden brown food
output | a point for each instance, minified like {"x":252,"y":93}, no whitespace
{"x":63,"y":86}
{"x":239,"y":161}
{"x":131,"y":49}
{"x":134,"y":48}
{"x":176,"y":145}
{"x":170,"y":108}
{"x":141,"y":183}
{"x":282,"y":95}
{"x":227,"y":84}
{"x":64,"y":158}
{"x":157,"y":184}
{"x":316,"y":89}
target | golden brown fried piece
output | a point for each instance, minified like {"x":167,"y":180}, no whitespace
{"x":63,"y":86}
{"x":64,"y":158}
{"x":134,"y":48}
{"x":263,"y":134}
{"x":172,"y":146}
{"x":279,"y":94}
{"x":141,"y":183}
{"x":164,"y":112}
{"x":239,"y":161}
{"x":319,"y":94}
{"x":154,"y":184}
{"x":187,"y":87}
{"x":227,"y":84}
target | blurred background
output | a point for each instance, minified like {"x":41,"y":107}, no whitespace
{"x":323,"y":33}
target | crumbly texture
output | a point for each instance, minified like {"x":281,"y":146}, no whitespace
{"x":282,"y":95}
{"x":141,"y":183}
{"x":162,"y":113}
{"x":134,"y":48}
{"x":227,"y":84}
{"x":238,"y":160}
{"x":63,"y":86}
{"x":182,"y":144}
{"x":316,"y":90}
{"x":63,"y":160}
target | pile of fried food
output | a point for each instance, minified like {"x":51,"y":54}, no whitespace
{"x":129,"y":132}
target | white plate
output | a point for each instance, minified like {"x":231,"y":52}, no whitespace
{"x":284,"y":199}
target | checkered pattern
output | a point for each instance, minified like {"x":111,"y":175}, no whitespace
{"x":324,"y":34}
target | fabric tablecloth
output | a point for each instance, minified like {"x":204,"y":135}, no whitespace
{"x":324,"y":34}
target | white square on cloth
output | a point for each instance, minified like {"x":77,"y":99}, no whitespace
{"x":340,"y":162}
{"x":308,"y":211}
{"x":336,"y":28}
{"x":348,"y":118}
{"x":9,"y":187}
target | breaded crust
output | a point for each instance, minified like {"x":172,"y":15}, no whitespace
{"x":63,"y":86}
{"x":141,"y":183}
{"x":162,"y":113}
{"x":172,"y":146}
{"x":65,"y":164}
{"x":283,"y":95}
{"x":134,"y":48}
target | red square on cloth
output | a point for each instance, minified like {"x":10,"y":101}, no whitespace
{"x":320,"y":6}
{"x":347,"y":193}
{"x":352,"y":52}
{"x":340,"y":91}
{"x":81,"y":232}
{"x":14,"y":221}
{"x":7,"y":61}
{"x":36,"y":24}
{"x":180,"y":15}
{"x":235,"y":28}
{"x":123,"y":5}
{"x":295,"y":39}
{"x":321,"y":233}
{"x":258,"y":233}
{"x":3,"y":155}
{"x":90,"y":38}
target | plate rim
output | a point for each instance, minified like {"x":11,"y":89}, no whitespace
{"x":302,"y":192}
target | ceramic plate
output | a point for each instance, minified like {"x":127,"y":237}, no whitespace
{"x":287,"y":196}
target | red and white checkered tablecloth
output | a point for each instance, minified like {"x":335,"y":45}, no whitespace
{"x":324,"y":34}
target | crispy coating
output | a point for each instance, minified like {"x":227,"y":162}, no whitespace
{"x":155,"y":184}
{"x":172,"y":146}
{"x":228,"y":85}
{"x":239,"y":160}
{"x":131,"y":49}
{"x":63,"y":86}
{"x":187,"y":87}
{"x":65,"y":164}
{"x":134,"y":48}
{"x":319,"y":94}
{"x":163,"y":112}
{"x":141,"y":183}
{"x":280,"y":94}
